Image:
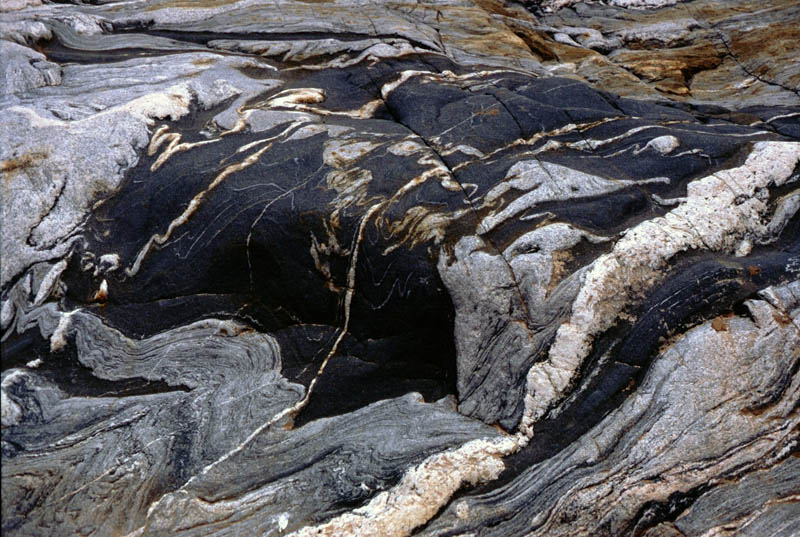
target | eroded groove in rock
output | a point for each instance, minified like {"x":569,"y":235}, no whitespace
{"x":353,"y":268}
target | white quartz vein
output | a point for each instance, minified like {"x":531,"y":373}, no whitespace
{"x":719,"y":211}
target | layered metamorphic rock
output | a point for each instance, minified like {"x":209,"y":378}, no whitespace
{"x":436,"y":268}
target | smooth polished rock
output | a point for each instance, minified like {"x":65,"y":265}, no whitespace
{"x":465,"y":267}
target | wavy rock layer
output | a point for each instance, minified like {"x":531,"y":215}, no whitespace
{"x":469,"y":267}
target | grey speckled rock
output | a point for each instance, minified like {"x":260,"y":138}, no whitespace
{"x":466,"y":267}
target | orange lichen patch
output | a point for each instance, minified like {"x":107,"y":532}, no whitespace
{"x":502,"y":8}
{"x":673,"y":87}
{"x":671,"y":69}
{"x":714,"y":12}
{"x":720,"y":324}
{"x":561,"y":260}
{"x":587,"y":64}
{"x":753,"y":270}
{"x":539,"y":43}
{"x":20,"y":163}
{"x":598,"y":70}
{"x":497,"y":43}
{"x":493,"y":111}
{"x":547,"y":49}
{"x":765,"y":52}
{"x":470,"y":29}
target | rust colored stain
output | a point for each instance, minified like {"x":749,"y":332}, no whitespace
{"x":781,"y":318}
{"x":671,"y":69}
{"x":719,"y":324}
{"x":201,"y":62}
{"x":22,"y":162}
{"x":100,"y":296}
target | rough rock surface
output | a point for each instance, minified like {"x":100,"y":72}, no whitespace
{"x":457,"y":267}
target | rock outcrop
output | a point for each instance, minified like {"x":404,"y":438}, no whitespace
{"x":463,"y":267}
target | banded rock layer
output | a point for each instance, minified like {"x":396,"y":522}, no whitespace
{"x":467,"y":267}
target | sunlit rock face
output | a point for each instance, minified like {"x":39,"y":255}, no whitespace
{"x":469,"y":267}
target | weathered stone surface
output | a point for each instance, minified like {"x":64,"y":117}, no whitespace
{"x":465,"y":267}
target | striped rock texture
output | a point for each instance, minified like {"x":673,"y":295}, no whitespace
{"x":440,"y":268}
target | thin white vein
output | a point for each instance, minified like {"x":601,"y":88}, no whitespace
{"x":294,"y":409}
{"x":194,"y":204}
{"x":173,"y":147}
{"x":267,"y":205}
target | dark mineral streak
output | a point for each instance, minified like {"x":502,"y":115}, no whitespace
{"x":458,"y":267}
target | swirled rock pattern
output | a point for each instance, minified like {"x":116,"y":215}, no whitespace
{"x":457,"y":267}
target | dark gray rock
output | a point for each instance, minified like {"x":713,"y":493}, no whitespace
{"x":451,"y":268}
